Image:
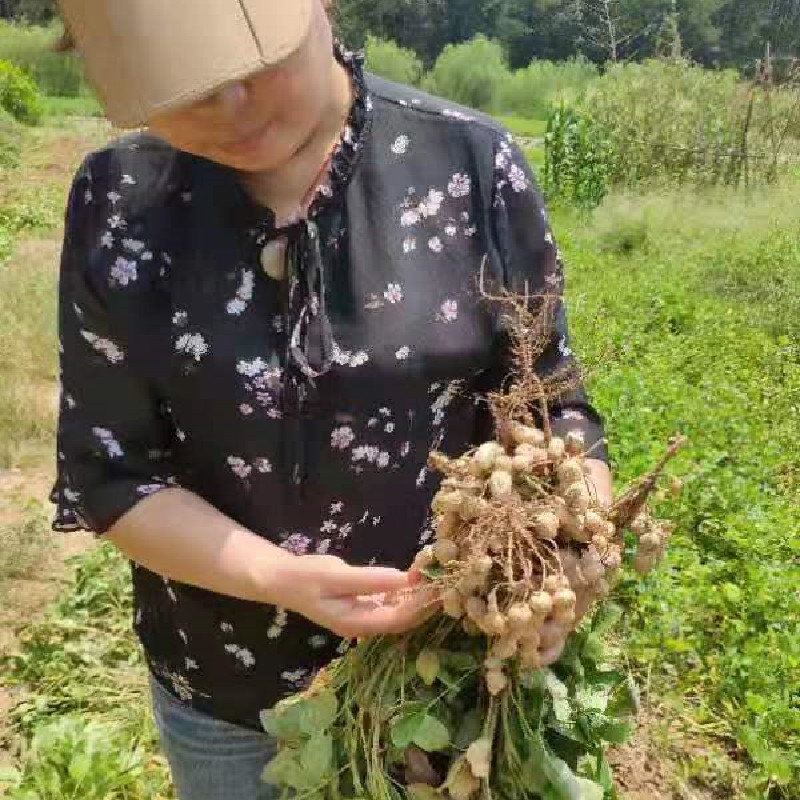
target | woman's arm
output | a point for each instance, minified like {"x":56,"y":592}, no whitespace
{"x":532,"y":266}
{"x":115,"y":472}
{"x":179,"y":535}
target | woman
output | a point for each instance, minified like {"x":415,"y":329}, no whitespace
{"x":269,"y":317}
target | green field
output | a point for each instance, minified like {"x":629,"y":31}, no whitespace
{"x":81,"y":106}
{"x":686,"y":309}
{"x":525,"y":128}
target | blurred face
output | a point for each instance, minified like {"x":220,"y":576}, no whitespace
{"x":258,"y":124}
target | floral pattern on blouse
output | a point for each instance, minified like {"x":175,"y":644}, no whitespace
{"x":303,"y":408}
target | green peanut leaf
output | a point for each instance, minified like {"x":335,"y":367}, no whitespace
{"x":404,"y":728}
{"x":431,"y":735}
{"x":316,"y":758}
{"x":469,"y":730}
{"x":319,"y":712}
{"x":285,"y":720}
{"x":427,"y":665}
{"x":421,"y":791}
{"x":284,"y":770}
{"x":559,"y":695}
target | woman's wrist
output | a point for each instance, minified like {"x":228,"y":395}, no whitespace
{"x":273,"y":574}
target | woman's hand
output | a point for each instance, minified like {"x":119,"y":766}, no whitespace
{"x":354,"y":601}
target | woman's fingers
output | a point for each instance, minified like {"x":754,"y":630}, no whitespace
{"x":362,"y":616}
{"x":342,"y":580}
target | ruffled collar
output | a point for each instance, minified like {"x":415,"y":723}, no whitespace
{"x":219,"y":188}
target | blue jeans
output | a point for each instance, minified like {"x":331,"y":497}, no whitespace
{"x":210,"y":759}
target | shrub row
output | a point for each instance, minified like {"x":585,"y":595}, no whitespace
{"x":476,"y":74}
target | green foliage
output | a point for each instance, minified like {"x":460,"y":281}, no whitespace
{"x":85,"y":105}
{"x":30,"y":48}
{"x":669,"y":122}
{"x":70,"y":758}
{"x":10,"y":143}
{"x":472,"y":74}
{"x":27,"y":331}
{"x":85,"y":716}
{"x":32,"y":11}
{"x":24,"y":535}
{"x":577,"y":158}
{"x":522,"y":127}
{"x":394,"y":63}
{"x":18,"y":94}
{"x":691,"y":305}
{"x":727,"y":32}
{"x":378,"y":705}
{"x":541,"y":86}
{"x":672,"y":121}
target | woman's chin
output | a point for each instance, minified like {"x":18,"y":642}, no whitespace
{"x":266,"y":156}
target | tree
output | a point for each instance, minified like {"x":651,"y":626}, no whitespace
{"x":35,"y":11}
{"x":726,"y":32}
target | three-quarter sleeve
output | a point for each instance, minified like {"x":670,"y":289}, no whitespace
{"x":113,"y":442}
{"x":531,"y":263}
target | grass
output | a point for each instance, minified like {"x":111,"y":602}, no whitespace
{"x":524,"y":128}
{"x":688,"y":308}
{"x":32,"y":198}
{"x":30,"y":47}
{"x":85,"y":105}
{"x":86,"y":721}
{"x":23,"y":536}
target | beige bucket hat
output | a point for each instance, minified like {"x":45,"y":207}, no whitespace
{"x":145,"y":56}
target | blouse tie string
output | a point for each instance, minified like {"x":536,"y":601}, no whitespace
{"x":309,"y":344}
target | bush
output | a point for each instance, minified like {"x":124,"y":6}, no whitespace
{"x":673,"y":121}
{"x":577,"y":158}
{"x":472,"y":74}
{"x":29,"y":47}
{"x":9,"y":141}
{"x":19,"y":95}
{"x":542,"y":85}
{"x":390,"y":61}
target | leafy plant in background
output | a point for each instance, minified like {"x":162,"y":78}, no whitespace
{"x":537,"y":89}
{"x":671,"y":121}
{"x":577,"y":159}
{"x":472,"y":73}
{"x":392,"y":62}
{"x":30,"y":48}
{"x":10,"y":140}
{"x":19,"y":95}
{"x":70,"y":758}
{"x":88,"y":723}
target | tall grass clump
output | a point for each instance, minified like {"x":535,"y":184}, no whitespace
{"x":19,"y":96}
{"x":390,"y":61}
{"x":27,"y":356}
{"x":472,"y":73}
{"x":673,"y":120}
{"x":10,"y":140}
{"x":536,"y":90}
{"x":30,"y":48}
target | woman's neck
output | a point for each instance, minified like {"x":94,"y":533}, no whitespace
{"x":283,"y":189}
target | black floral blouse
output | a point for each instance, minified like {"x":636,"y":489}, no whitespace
{"x":304,"y":408}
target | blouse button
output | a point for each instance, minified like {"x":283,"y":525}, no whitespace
{"x":273,"y":259}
